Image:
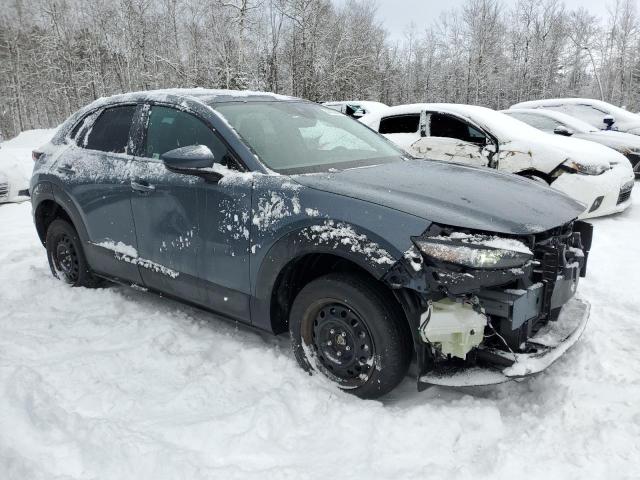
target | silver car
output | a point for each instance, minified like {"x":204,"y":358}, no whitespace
{"x":551,"y":121}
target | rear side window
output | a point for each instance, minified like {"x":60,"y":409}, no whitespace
{"x":400,"y":124}
{"x":448,"y":126}
{"x":110,"y":132}
{"x":169,"y":129}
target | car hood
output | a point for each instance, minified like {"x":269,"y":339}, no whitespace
{"x":550,"y":150}
{"x":622,"y":142}
{"x":453,"y":194}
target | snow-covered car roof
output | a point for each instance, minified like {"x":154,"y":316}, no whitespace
{"x":205,"y":95}
{"x":367,"y":105}
{"x":175,"y":96}
{"x":619,"y":113}
{"x":574,"y":123}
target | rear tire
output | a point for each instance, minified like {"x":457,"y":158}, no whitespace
{"x":66,"y":256}
{"x":347,"y":328}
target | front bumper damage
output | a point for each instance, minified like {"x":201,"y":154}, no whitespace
{"x":482,"y":327}
{"x":548,"y":345}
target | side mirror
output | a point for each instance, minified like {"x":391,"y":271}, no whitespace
{"x":608,"y":121}
{"x":490,"y":147}
{"x":562,"y":130}
{"x":191,"y":160}
{"x":183,"y":159}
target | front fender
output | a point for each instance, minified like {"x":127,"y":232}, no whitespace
{"x":290,"y":220}
{"x":332,"y":237}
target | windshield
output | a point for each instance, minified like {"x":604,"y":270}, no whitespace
{"x":301,"y":137}
{"x":594,"y":114}
{"x":548,"y":120}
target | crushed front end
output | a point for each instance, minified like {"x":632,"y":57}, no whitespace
{"x":489,"y":308}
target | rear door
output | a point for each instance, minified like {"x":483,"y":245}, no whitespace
{"x":403,"y":130}
{"x":452,"y":139}
{"x":96,"y":174}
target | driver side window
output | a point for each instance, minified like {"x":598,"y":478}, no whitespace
{"x":442,"y":125}
{"x":169,"y":128}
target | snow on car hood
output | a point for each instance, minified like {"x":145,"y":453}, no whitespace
{"x":452,"y":194}
{"x":547,"y":151}
{"x":620,"y":141}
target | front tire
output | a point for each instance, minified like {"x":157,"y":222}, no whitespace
{"x":66,"y":256}
{"x":347,"y":328}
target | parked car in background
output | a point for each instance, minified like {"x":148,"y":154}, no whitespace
{"x":356,"y":108}
{"x":601,"y":115}
{"x":15,"y":167}
{"x":194,"y":194}
{"x":13,"y":186}
{"x":597,"y":176}
{"x":559,"y":123}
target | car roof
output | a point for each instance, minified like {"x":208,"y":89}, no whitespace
{"x":175,"y":96}
{"x":204,"y":95}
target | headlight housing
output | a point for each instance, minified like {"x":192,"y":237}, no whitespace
{"x":586,"y":168}
{"x":475,"y":251}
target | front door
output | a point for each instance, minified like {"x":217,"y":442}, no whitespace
{"x":192,"y":233}
{"x":452,"y":139}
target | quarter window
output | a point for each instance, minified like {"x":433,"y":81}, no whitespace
{"x":110,"y":132}
{"x":400,"y":124}
{"x":169,"y":128}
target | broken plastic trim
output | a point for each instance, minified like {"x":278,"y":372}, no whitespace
{"x":551,"y":342}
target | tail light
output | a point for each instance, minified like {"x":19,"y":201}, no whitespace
{"x":35,"y":155}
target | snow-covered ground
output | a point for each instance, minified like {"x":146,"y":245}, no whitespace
{"x":119,"y":384}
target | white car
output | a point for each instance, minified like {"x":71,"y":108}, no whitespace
{"x":601,"y":115}
{"x":356,"y":108}
{"x":16,"y":164}
{"x":551,"y":121}
{"x":597,"y":176}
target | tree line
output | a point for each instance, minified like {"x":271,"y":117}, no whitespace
{"x":58,"y":55}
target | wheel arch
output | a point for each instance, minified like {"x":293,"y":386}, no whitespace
{"x":291,"y":263}
{"x":51,"y":203}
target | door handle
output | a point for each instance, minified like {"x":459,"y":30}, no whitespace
{"x":142,"y":186}
{"x":66,"y":169}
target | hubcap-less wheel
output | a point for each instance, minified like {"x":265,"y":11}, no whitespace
{"x":342,"y":343}
{"x":345,"y":327}
{"x":66,"y":260}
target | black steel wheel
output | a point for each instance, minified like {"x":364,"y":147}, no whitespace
{"x":347,"y":328}
{"x":342,"y":342}
{"x":66,"y":256}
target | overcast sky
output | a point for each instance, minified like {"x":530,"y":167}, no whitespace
{"x":396,"y":15}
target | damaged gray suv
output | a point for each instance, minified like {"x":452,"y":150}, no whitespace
{"x":291,"y":217}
